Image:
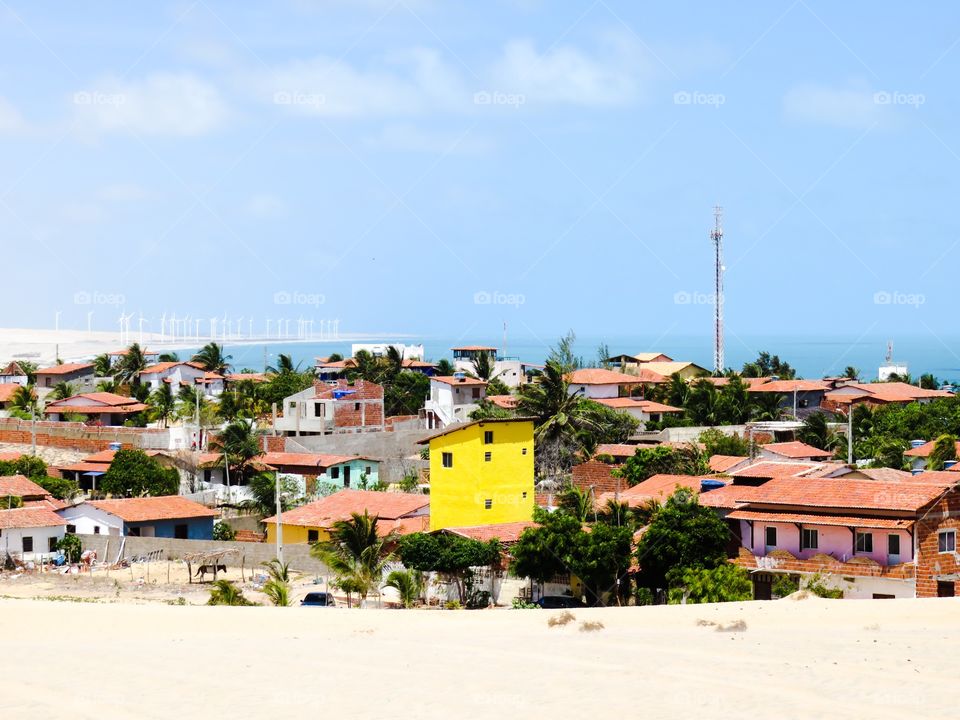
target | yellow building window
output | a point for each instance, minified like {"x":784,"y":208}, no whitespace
{"x":487,"y":504}
{"x":488,"y":437}
{"x":448,"y":460}
{"x":487,"y":456}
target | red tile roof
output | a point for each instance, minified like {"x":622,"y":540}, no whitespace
{"x":7,"y":391}
{"x":616,"y":450}
{"x":772,"y":468}
{"x":887,"y":474}
{"x":507,"y":402}
{"x":789,"y":386}
{"x":647,"y":406}
{"x":454,"y":380}
{"x":814,"y":519}
{"x":729,"y":497}
{"x":339,"y":506}
{"x":504,"y":532}
{"x":599,"y":376}
{"x":166,"y":507}
{"x":29,"y":517}
{"x":164,"y":366}
{"x":318,"y":460}
{"x":10,"y":456}
{"x":796,"y":450}
{"x":403,"y":526}
{"x":98,"y":402}
{"x":722,"y":463}
{"x":848,"y":494}
{"x":657,"y":487}
{"x":13,"y":368}
{"x":65,"y":369}
{"x":20,"y":486}
{"x":892,"y":392}
{"x":925,"y":450}
{"x":474,"y":347}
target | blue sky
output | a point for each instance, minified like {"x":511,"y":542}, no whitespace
{"x":435,"y":167}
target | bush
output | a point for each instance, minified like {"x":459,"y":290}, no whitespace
{"x":71,"y":547}
{"x":784,"y":585}
{"x":724,"y":583}
{"x":225,"y":592}
{"x":133,"y":473}
{"x":816,"y":585}
{"x":452,"y":605}
{"x":643,"y":596}
{"x":223,"y":532}
{"x":520,"y":604}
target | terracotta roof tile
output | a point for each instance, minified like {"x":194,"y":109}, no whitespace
{"x":600,"y":376}
{"x":722,"y":463}
{"x":796,"y":450}
{"x":28,"y":517}
{"x":504,"y":532}
{"x":847,"y":494}
{"x":454,"y":380}
{"x":817,"y":519}
{"x":647,"y":406}
{"x":20,"y":486}
{"x":340,"y":505}
{"x":925,"y":450}
{"x":65,"y":369}
{"x":789,"y":386}
{"x":729,"y":497}
{"x":166,"y":507}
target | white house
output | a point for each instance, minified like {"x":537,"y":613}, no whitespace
{"x":596,"y":383}
{"x":182,"y":374}
{"x":13,"y":373}
{"x":452,"y":399}
{"x":643,"y":410}
{"x":87,"y":519}
{"x":511,"y":371}
{"x":30,"y":533}
{"x":408,"y":352}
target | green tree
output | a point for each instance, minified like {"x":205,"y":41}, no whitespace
{"x":130,"y":365}
{"x":222,"y":532}
{"x":29,"y":466}
{"x":60,"y":488}
{"x":851,"y":373}
{"x":663,"y":459}
{"x":71,"y":547}
{"x":103,"y":365}
{"x":452,"y":556}
{"x":682,"y":535}
{"x":133,"y":473}
{"x":767,"y":406}
{"x":23,"y":403}
{"x":817,"y":432}
{"x":496,"y":386}
{"x":929,"y":382}
{"x":240,"y":443}
{"x":263,"y":488}
{"x":277,"y":586}
{"x":716,"y":442}
{"x":224,"y":592}
{"x":408,"y":584}
{"x":162,"y":404}
{"x":944,"y":449}
{"x":62,"y":391}
{"x":356,"y":553}
{"x":608,"y":425}
{"x":544,"y":551}
{"x":723,"y":583}
{"x":577,"y":502}
{"x":483,"y":364}
{"x":212,"y":359}
{"x":445,"y":367}
{"x":563,"y":355}
{"x":406,"y":393}
{"x":486,"y":410}
{"x":767,"y":365}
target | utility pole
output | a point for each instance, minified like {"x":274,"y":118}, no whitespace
{"x":276,"y":495}
{"x":717,"y":237}
{"x":850,"y":435}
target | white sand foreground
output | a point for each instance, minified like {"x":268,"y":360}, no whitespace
{"x":804,"y":659}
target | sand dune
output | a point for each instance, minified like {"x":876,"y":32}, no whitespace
{"x":809,"y":659}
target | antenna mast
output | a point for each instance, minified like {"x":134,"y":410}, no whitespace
{"x":717,"y":237}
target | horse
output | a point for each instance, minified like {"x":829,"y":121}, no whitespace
{"x":213,"y":569}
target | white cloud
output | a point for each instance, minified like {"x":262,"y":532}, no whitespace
{"x":407,"y":83}
{"x":11,"y":121}
{"x":161,"y":104}
{"x":837,"y":107}
{"x":567,"y":74}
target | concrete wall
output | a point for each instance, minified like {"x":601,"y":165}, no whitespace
{"x":297,"y":555}
{"x":397,"y":451}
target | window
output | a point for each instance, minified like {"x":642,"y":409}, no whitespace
{"x":770,"y":535}
{"x":947,"y":541}
{"x":28,"y":544}
{"x":318,"y":409}
{"x":524,"y":495}
{"x":96,"y":529}
{"x":487,"y":504}
{"x":893,"y":544}
{"x":448,"y":460}
{"x":808,"y":539}
{"x":335,"y":473}
{"x":313,"y":536}
{"x":369,"y":470}
{"x":133,"y":532}
{"x":476,"y":393}
{"x":52,"y":544}
{"x":864,"y":542}
{"x":356,"y":406}
{"x":488,"y":437}
{"x":487,"y":456}
{"x":523,"y":451}
{"x":72,"y":529}
{"x":180,"y":532}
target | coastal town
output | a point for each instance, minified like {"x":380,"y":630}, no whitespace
{"x":476,"y":480}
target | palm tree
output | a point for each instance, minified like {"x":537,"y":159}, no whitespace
{"x":817,"y":432}
{"x":62,"y":391}
{"x":564,"y":421}
{"x":168,"y":357}
{"x":277,"y":587}
{"x":212,"y":359}
{"x":162,"y":404}
{"x":225,"y":592}
{"x":767,"y":406}
{"x":23,"y":403}
{"x":367,"y":367}
{"x":356,"y":553}
{"x":702,"y":403}
{"x":483,"y":366}
{"x":617,"y":513}
{"x":130,"y":366}
{"x":239,"y":442}
{"x":103,"y":365}
{"x":408,"y":583}
{"x":445,"y":367}
{"x":284,"y":365}
{"x":851,"y":373}
{"x":577,"y":502}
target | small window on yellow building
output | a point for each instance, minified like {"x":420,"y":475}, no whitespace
{"x":313,"y":536}
{"x":448,"y":460}
{"x":524,"y":495}
{"x":488,"y":437}
{"x":523,"y":452}
{"x":487,"y":504}
{"x":487,"y":456}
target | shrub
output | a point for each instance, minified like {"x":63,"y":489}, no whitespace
{"x":223,"y":532}
{"x":71,"y":547}
{"x":784,"y":585}
{"x":225,"y":592}
{"x":817,"y":586}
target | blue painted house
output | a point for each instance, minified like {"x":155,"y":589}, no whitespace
{"x":169,"y":516}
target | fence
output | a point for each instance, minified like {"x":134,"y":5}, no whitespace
{"x":77,"y":436}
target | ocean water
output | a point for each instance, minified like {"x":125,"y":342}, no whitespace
{"x":813,"y":357}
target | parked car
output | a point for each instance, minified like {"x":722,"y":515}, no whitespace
{"x":556,"y":602}
{"x":319,"y":599}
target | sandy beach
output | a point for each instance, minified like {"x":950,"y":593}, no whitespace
{"x":785,"y":659}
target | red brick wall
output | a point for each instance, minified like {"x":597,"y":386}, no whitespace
{"x":71,"y":436}
{"x":597,"y":475}
{"x":930,"y":562}
{"x":346,"y":414}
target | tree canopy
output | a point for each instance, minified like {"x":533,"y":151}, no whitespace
{"x":451,"y":555}
{"x":133,"y":473}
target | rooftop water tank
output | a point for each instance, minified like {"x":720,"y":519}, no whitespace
{"x":917,"y":443}
{"x":707,"y":485}
{"x":115,"y":446}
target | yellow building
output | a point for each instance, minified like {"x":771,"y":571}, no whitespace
{"x":481,"y":473}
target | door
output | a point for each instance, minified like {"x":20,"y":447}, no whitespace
{"x":945,"y":588}
{"x":346,"y":476}
{"x":762,"y":587}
